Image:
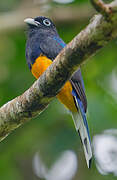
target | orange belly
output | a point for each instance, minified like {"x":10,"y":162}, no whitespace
{"x":65,"y":95}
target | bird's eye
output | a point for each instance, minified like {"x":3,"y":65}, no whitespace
{"x":46,"y":22}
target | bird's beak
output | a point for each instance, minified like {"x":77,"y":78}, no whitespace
{"x":31,"y":21}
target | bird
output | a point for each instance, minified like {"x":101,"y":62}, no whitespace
{"x":42,"y":47}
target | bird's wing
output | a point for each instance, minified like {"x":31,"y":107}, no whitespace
{"x":80,"y":120}
{"x":51,"y":46}
{"x":78,"y":87}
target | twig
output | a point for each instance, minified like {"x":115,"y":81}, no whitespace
{"x":105,"y":9}
{"x":101,"y":7}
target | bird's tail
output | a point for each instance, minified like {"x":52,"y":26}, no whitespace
{"x":82,"y":128}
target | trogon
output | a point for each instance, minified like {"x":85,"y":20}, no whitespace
{"x":42,"y":47}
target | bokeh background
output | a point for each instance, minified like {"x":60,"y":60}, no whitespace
{"x":48,"y":146}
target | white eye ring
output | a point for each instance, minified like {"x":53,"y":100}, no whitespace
{"x":46,"y":22}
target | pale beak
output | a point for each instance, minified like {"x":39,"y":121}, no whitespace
{"x":31,"y":21}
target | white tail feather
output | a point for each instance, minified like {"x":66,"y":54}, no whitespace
{"x":80,"y":127}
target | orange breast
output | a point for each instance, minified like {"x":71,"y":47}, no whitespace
{"x":65,"y":95}
{"x":40,"y":65}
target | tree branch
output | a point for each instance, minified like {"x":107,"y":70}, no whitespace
{"x":101,"y":7}
{"x":21,"y":109}
{"x":105,"y":9}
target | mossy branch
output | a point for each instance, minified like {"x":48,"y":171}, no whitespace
{"x":21,"y":109}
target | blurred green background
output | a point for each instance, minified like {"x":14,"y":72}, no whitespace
{"x":52,"y":132}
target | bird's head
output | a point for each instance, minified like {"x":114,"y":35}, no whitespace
{"x":40,"y":23}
